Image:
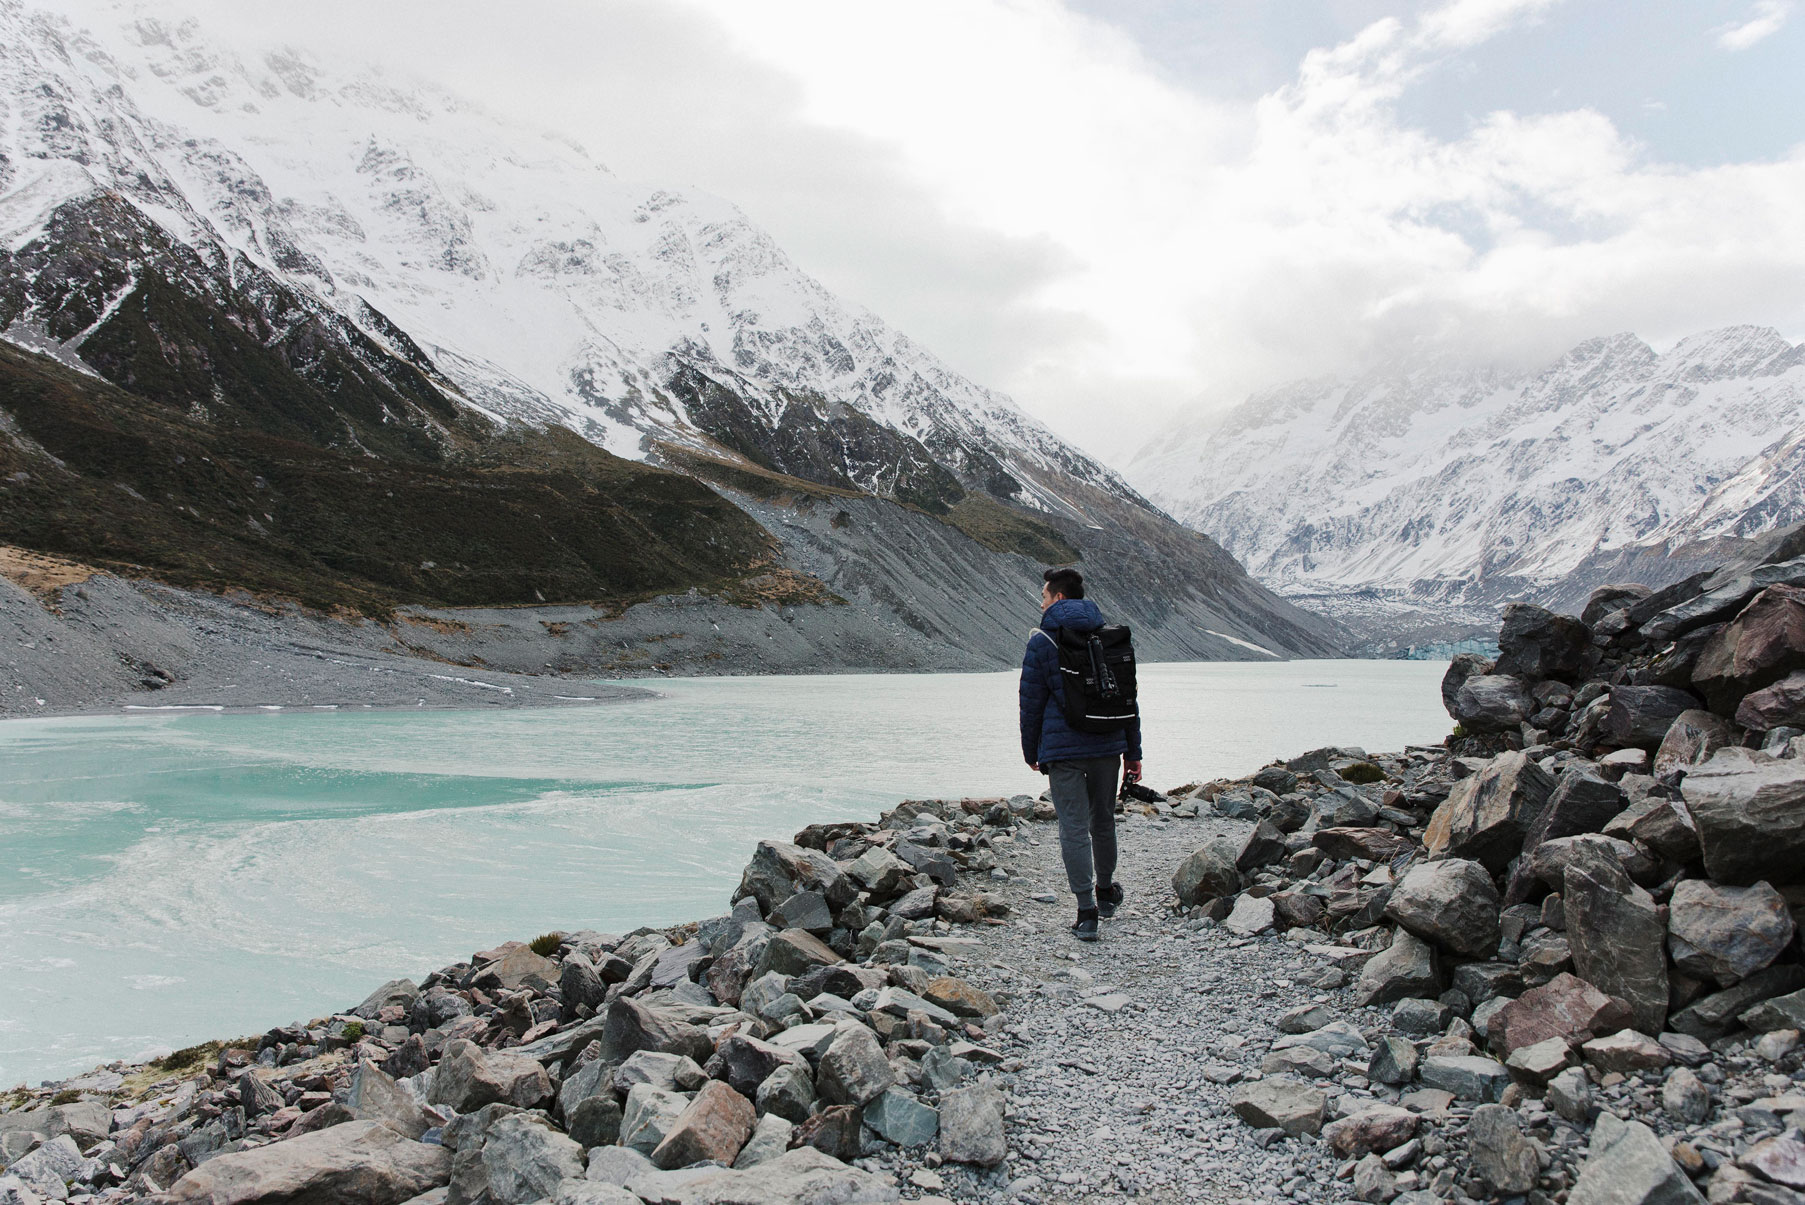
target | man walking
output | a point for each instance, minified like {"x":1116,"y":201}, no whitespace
{"x":1083,"y":769}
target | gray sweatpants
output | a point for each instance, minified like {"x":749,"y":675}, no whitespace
{"x":1084,"y":795}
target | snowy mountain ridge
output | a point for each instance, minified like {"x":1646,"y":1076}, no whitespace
{"x":1469,"y":486}
{"x":528,"y":278}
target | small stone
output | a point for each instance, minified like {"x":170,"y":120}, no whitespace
{"x":1468,"y":1077}
{"x":715,"y":1125}
{"x":1250,"y":915}
{"x":1502,"y":1156}
{"x":1627,"y":1165}
{"x":1685,"y":1096}
{"x":971,"y":1125}
{"x":1541,"y":1062}
{"x":1394,"y":1061}
{"x":1570,"y":1095}
{"x":899,"y":1117}
{"x":1377,"y":1128}
{"x":648,"y":1117}
{"x":1776,"y":1044}
{"x":1626,"y":1052}
{"x":1373,"y":1181}
{"x":1284,"y":1104}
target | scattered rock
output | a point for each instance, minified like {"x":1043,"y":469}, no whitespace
{"x":1502,"y":1156}
{"x":1451,"y":903}
{"x":1726,"y":934}
{"x":971,"y":1125}
{"x":1284,"y":1104}
{"x":363,"y":1161}
{"x":1627,"y":1165}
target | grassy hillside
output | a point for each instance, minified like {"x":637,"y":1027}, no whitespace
{"x":150,"y":482}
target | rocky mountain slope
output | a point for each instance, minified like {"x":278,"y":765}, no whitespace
{"x":431,"y":359}
{"x":1455,"y":490}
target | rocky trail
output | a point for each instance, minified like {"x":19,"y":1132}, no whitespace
{"x":1554,"y":960}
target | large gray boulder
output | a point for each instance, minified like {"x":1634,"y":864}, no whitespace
{"x":1486,"y":816}
{"x":1763,"y":644}
{"x":1691,"y":740}
{"x":468,"y":1078}
{"x":526,"y":1159}
{"x":362,"y":1161}
{"x":854,"y":1070}
{"x":1750,"y":818}
{"x":649,"y":1116}
{"x":374,"y":1096}
{"x":1451,"y":903}
{"x":1726,"y":934}
{"x":1581,"y":802}
{"x":803,"y":1176}
{"x":1493,"y":703}
{"x":1462,"y":667}
{"x":1408,"y":967}
{"x":1641,"y":715}
{"x":971,"y":1125}
{"x":630,"y":1026}
{"x":1617,"y":936}
{"x":1724,"y":594}
{"x":1208,"y":873}
{"x":779,"y":870}
{"x":1626,"y":1164}
{"x":1536,"y":644}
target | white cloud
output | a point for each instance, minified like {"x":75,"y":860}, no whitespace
{"x":1769,"y":16}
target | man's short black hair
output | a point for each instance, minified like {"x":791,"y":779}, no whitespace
{"x":1066,"y":581}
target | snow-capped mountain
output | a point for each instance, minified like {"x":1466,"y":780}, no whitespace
{"x":534,"y":282}
{"x":399,"y":328}
{"x":1472,"y":486}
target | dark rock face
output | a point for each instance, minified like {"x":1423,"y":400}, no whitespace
{"x":1536,"y":644}
{"x":1486,"y":816}
{"x":1779,"y":705}
{"x":1641,"y":715}
{"x":1750,"y":818}
{"x":1451,"y":903}
{"x":1607,"y":599}
{"x":1763,"y":644}
{"x":1462,"y":667}
{"x":1581,"y":802}
{"x":1617,"y":938}
{"x":1493,"y":703}
{"x":1726,"y":934}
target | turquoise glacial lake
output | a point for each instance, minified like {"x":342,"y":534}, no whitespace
{"x":166,"y":878}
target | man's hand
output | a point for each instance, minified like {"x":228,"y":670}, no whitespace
{"x":1131,"y":771}
{"x":1035,"y":766}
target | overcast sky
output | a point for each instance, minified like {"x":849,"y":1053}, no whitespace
{"x":1113,"y":209}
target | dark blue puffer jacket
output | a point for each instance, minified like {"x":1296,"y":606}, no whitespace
{"x":1046,"y":737}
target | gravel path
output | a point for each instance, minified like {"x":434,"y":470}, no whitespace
{"x":1119,"y":1053}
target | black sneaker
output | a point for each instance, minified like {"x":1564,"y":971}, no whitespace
{"x":1109,"y":899}
{"x":1086,"y":928}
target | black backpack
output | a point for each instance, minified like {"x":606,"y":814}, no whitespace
{"x":1096,"y":671}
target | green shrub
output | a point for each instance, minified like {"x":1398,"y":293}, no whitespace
{"x":354,"y":1031}
{"x":1362,"y":772}
{"x":546,"y":944}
